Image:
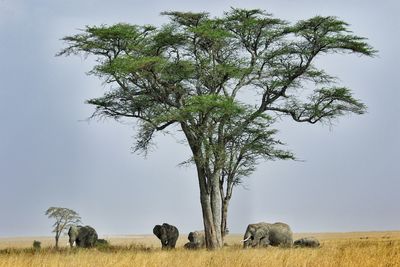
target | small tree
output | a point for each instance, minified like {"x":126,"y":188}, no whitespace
{"x":64,"y":219}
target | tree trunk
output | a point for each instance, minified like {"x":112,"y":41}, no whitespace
{"x":57,"y":237}
{"x":211,"y":208}
{"x":209,"y":228}
{"x":210,"y":196}
{"x":216,"y":205}
{"x":224,"y":222}
{"x":225,"y":203}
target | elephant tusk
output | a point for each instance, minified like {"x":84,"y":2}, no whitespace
{"x":246,"y":239}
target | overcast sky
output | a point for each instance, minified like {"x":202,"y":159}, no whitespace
{"x":51,"y":156}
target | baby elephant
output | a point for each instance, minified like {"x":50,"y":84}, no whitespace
{"x":197,"y":240}
{"x":310,"y":242}
{"x":168,"y":234}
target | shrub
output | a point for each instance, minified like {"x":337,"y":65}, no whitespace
{"x":36,"y":245}
{"x":102,"y":243}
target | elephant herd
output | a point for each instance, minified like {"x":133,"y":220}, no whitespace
{"x":257,"y":235}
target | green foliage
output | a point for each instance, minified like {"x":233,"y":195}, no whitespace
{"x":64,"y":217}
{"x":124,"y":65}
{"x":36,"y":245}
{"x":332,"y":35}
{"x":217,"y":105}
{"x":102,"y":244}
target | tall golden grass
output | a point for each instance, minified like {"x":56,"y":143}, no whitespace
{"x":341,"y":249}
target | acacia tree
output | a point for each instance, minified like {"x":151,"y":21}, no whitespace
{"x":222,"y":82}
{"x":64,"y":219}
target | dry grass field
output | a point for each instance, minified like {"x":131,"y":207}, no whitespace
{"x":337,"y":249}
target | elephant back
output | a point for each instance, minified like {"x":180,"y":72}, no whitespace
{"x":87,"y":237}
{"x":280,"y":234}
{"x":171,"y":230}
{"x":253,"y":227}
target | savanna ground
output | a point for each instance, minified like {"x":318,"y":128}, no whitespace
{"x":337,"y":249}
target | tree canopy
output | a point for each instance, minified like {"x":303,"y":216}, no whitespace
{"x":222,"y":81}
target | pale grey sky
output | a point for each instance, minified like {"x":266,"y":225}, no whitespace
{"x":50,"y":156}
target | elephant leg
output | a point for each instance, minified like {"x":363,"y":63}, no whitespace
{"x":261,"y":238}
{"x":264,"y":242}
{"x":172,"y":243}
{"x":255,"y":242}
{"x":164,"y":244}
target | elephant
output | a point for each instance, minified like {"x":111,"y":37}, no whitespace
{"x":310,"y":242}
{"x":190,"y":245}
{"x":265,"y":234}
{"x":197,"y":239}
{"x":83,"y":236}
{"x":168,"y":234}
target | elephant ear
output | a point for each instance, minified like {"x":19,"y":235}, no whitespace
{"x":191,"y":237}
{"x":157,"y":230}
